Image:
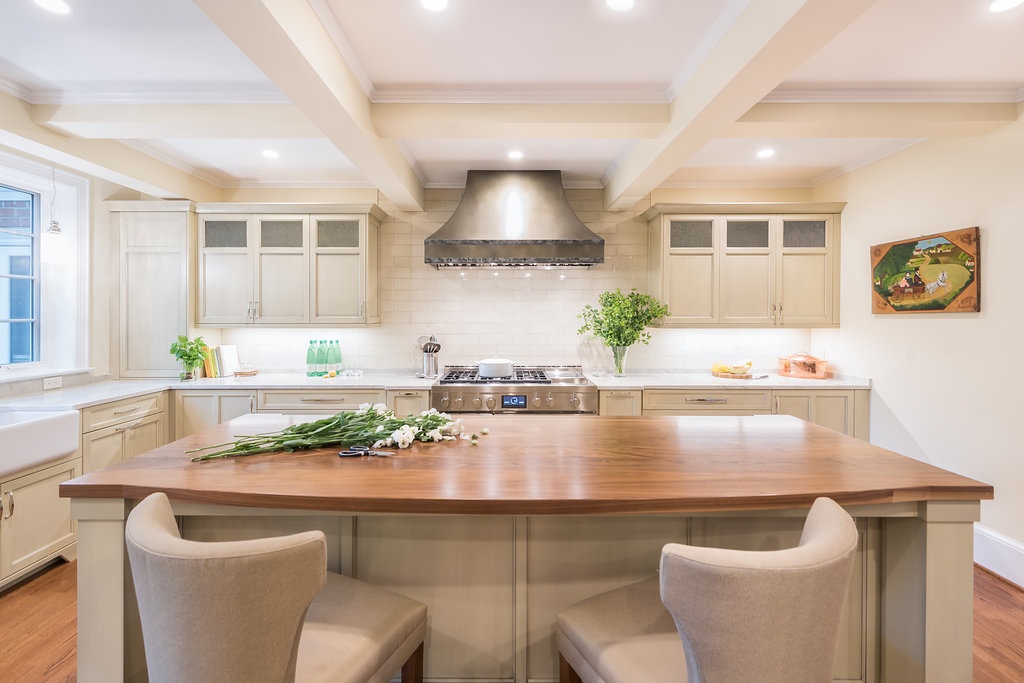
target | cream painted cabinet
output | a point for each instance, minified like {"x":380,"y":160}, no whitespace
{"x":35,"y":522}
{"x":405,"y":402}
{"x":845,"y":411}
{"x":118,"y":430}
{"x":620,"y":403}
{"x":151,"y":253}
{"x":196,"y":410}
{"x":745,"y":270}
{"x":316,"y":401}
{"x":777,"y":271}
{"x":343,"y":268}
{"x":252,"y":269}
{"x":707,"y":402}
{"x":287,"y":269}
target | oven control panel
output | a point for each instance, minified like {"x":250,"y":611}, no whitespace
{"x":546,"y":399}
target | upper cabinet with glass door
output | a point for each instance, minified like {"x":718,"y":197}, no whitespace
{"x":285,"y":269}
{"x":746,"y":269}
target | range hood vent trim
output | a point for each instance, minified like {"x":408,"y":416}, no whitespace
{"x":539,"y":229}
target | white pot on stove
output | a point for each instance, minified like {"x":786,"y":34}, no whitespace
{"x":494,"y":367}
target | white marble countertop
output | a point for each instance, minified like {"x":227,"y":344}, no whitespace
{"x":85,"y":395}
{"x":705,"y":380}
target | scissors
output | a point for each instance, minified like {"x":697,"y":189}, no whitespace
{"x":358,"y":451}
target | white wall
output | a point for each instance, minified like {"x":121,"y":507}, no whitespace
{"x":946,"y":387}
{"x":526,"y":315}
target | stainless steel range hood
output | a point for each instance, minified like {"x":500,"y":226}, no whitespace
{"x":513,"y":218}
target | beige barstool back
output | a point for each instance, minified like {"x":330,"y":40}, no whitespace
{"x":723,"y":615}
{"x":262,"y":610}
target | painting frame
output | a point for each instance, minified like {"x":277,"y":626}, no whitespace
{"x":937,"y":273}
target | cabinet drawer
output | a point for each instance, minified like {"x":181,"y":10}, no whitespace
{"x":97,"y":417}
{"x":655,"y":399}
{"x":317,"y":399}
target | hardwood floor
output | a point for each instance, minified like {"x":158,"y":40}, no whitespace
{"x":37,"y":628}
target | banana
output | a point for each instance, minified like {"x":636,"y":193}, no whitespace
{"x":720,"y":367}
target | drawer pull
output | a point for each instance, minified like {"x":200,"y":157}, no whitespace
{"x":10,"y":507}
{"x":126,"y":410}
{"x":320,"y":400}
{"x":130,"y":425}
{"x":707,"y":400}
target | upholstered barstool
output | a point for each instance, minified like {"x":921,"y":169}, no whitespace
{"x":717,"y":615}
{"x":262,"y":610}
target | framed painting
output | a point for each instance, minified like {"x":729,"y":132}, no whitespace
{"x":932,"y":274}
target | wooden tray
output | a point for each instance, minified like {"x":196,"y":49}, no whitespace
{"x":730,"y":375}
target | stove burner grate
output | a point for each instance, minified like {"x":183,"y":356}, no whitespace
{"x":518,"y":376}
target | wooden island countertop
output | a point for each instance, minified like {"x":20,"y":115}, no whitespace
{"x":546,"y":510}
{"x":546,"y":464}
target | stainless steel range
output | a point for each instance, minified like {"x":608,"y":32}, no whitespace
{"x":539,"y":389}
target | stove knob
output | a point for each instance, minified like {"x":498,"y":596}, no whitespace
{"x":477,"y":403}
{"x":575,"y":401}
{"x":536,"y":400}
{"x":445,"y":400}
{"x":458,"y":401}
{"x":490,"y":403}
{"x":550,"y":400}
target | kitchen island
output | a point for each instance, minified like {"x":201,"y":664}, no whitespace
{"x":545,"y":510}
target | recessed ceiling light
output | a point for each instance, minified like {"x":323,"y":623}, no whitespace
{"x":434,"y":5}
{"x":270,"y":154}
{"x":765,"y":153}
{"x":55,"y":6}
{"x":1003,"y":5}
{"x":515,"y":154}
{"x":620,"y":5}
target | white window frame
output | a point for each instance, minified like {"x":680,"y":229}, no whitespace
{"x":63,"y":272}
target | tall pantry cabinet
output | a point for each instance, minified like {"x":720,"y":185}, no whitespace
{"x":151,"y":247}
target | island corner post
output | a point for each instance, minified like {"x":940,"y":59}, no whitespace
{"x":504,"y":509}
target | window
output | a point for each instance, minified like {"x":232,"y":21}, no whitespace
{"x":19,"y":286}
{"x":44,"y":305}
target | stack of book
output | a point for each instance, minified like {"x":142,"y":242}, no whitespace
{"x":221,"y":361}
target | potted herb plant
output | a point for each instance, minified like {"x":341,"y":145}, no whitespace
{"x":621,"y":320}
{"x":190,"y":354}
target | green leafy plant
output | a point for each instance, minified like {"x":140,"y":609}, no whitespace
{"x":190,"y":353}
{"x":622,"y":319}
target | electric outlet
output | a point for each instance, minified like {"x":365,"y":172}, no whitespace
{"x":53,"y":382}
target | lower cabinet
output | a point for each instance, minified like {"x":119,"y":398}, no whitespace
{"x":35,"y":522}
{"x":620,"y":403}
{"x":316,"y":401}
{"x":697,"y":402}
{"x":844,"y":410}
{"x":406,"y":402}
{"x":196,"y":410}
{"x":118,"y":430}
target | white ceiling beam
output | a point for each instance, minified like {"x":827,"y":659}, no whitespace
{"x":156,"y":121}
{"x":767,"y":41}
{"x":105,"y":159}
{"x":535,"y":121}
{"x":871,"y":120}
{"x":286,"y":41}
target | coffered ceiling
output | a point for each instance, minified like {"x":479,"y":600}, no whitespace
{"x":389,"y":95}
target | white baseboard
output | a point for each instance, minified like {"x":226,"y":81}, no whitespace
{"x":1000,"y":554}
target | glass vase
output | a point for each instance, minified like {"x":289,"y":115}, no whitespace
{"x":619,"y":356}
{"x":186,"y":372}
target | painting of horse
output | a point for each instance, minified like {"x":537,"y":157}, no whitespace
{"x":930,"y":274}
